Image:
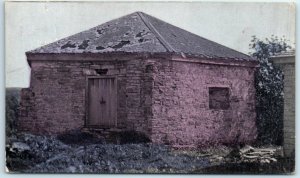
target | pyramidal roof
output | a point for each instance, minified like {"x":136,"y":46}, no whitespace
{"x":139,"y":32}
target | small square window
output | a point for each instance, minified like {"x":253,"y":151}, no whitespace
{"x":219,"y":98}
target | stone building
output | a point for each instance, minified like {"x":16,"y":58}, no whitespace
{"x":286,"y":61}
{"x":140,"y":73}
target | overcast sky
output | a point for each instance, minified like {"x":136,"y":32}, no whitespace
{"x":29,"y":25}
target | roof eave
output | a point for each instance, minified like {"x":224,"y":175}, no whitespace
{"x":217,"y":60}
{"x":118,"y":55}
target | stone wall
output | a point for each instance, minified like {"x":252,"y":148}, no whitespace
{"x":139,"y":95}
{"x":287,"y":65}
{"x":27,"y":110}
{"x":165,"y":99}
{"x":58,"y":95}
{"x":181,"y":113}
{"x":289,"y":109}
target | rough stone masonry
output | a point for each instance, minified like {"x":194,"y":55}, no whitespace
{"x":286,"y":61}
{"x":175,"y":87}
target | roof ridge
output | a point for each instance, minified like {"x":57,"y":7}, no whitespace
{"x":160,"y":38}
{"x":215,"y":43}
{"x":140,"y":32}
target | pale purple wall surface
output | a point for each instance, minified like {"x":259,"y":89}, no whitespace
{"x":57,"y":94}
{"x":165,"y":99}
{"x":181,"y":113}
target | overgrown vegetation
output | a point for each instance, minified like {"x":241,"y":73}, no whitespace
{"x":269,"y":89}
{"x":130,"y":136}
{"x":40,"y":154}
{"x":77,"y":137}
{"x":12,"y":99}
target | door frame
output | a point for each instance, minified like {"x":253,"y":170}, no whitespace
{"x":87,"y":99}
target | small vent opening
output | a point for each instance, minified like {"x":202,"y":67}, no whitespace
{"x":101,"y":71}
{"x":149,"y":68}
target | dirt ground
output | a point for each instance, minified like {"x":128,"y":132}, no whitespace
{"x":84,"y":153}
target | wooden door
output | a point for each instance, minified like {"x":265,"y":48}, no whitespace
{"x":102,"y":102}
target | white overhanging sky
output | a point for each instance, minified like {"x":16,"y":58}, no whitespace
{"x":29,"y":25}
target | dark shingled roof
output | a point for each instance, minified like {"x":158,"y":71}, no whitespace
{"x":139,"y":32}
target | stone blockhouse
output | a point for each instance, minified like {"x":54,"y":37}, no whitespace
{"x":140,"y":73}
{"x":286,"y":61}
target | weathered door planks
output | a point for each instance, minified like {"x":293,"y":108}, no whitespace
{"x":102,"y":102}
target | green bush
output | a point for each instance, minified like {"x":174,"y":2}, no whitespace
{"x":269,"y":90}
